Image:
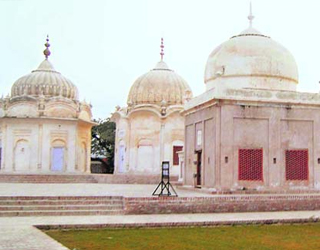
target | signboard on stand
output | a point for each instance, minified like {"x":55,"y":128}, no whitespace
{"x":165,"y":186}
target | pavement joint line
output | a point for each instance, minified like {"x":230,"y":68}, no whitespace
{"x":176,"y":224}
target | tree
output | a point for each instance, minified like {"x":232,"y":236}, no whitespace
{"x":102,"y":142}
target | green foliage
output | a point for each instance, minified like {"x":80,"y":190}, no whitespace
{"x":103,"y":137}
{"x":258,"y":237}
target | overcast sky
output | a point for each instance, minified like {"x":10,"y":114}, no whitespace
{"x":102,"y":46}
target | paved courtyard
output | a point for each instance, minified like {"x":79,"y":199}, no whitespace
{"x":17,"y":233}
{"x":85,"y":189}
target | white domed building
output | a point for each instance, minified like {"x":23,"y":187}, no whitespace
{"x":44,"y":127}
{"x":251,"y":129}
{"x":150,"y":129}
{"x":251,"y":60}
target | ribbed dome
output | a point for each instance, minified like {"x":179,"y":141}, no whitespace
{"x":251,"y":60}
{"x":157,"y":85}
{"x":44,"y":81}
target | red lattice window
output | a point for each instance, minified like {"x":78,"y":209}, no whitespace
{"x":176,"y":149}
{"x":250,"y":164}
{"x":297,"y":165}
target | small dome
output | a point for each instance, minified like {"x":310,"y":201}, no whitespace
{"x":158,"y":85}
{"x":251,"y":60}
{"x":45,"y":80}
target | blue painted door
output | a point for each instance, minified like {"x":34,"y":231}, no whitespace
{"x":57,"y":159}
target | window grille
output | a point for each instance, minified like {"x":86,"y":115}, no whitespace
{"x":250,"y":164}
{"x":297,"y":165}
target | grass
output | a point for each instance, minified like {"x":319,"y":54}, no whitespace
{"x":260,"y":237}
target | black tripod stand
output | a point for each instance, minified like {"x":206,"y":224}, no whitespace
{"x":164,"y":186}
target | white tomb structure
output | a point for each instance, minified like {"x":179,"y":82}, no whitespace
{"x":43,"y":126}
{"x":251,"y":129}
{"x":151,"y":129}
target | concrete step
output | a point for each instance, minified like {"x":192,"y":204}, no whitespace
{"x":63,"y":208}
{"x":47,"y":178}
{"x":58,"y":202}
{"x":59,"y":213}
{"x":59,"y":198}
{"x":61,"y":205}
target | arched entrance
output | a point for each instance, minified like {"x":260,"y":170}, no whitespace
{"x":22,"y":156}
{"x":145,"y":156}
{"x":58,"y":156}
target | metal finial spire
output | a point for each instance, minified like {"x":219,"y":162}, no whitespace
{"x":250,"y":17}
{"x":47,"y":52}
{"x":162,"y":47}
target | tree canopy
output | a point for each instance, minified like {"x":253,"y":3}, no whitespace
{"x":102,"y":142}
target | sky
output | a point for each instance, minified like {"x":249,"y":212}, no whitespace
{"x":103,"y":46}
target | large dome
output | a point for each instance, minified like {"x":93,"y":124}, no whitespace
{"x":44,"y":81}
{"x":158,"y":85}
{"x":251,"y":60}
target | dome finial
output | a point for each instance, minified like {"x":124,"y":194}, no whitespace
{"x":250,"y":17}
{"x":162,"y":47}
{"x":47,"y":52}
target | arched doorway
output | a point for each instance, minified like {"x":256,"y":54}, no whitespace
{"x":145,"y":156}
{"x":58,"y":156}
{"x":22,"y":156}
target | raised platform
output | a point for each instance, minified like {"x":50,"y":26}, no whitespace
{"x":115,"y":205}
{"x":105,"y":205}
{"x":222,"y":204}
{"x":30,"y":199}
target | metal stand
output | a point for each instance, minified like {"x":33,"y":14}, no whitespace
{"x":164,"y":186}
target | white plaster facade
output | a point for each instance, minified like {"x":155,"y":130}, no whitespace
{"x":151,"y":126}
{"x":44,"y":128}
{"x":251,"y":105}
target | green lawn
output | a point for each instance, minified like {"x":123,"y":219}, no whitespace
{"x":260,"y":237}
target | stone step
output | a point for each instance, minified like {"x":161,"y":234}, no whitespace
{"x":50,"y":178}
{"x":62,"y":208}
{"x":58,"y":202}
{"x":60,"y":198}
{"x":59,"y":213}
{"x":60,"y":205}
